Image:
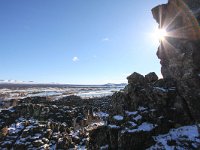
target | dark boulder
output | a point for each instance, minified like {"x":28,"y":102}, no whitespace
{"x":151,"y":77}
{"x":136,"y":78}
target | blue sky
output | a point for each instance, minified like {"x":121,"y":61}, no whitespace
{"x":77,"y":41}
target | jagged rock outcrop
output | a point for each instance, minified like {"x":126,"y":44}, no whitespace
{"x":37,"y":123}
{"x":179,"y":51}
{"x":152,"y":93}
{"x":151,"y":77}
{"x":148,"y":106}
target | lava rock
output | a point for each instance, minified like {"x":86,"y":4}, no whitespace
{"x":151,"y":77}
{"x":136,"y":78}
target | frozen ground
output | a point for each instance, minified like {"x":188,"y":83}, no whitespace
{"x":186,"y":137}
{"x":54,"y":92}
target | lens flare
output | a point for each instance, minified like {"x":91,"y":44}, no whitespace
{"x":160,"y":34}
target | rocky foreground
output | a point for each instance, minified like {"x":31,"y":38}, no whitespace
{"x":37,"y":123}
{"x":149,"y":113}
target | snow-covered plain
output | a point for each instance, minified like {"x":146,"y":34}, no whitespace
{"x":55,"y":93}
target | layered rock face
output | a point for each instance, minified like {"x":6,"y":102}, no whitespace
{"x":179,"y":52}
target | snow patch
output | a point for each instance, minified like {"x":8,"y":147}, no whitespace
{"x":102,"y":114}
{"x":161,"y":89}
{"x":142,"y":108}
{"x":113,"y":126}
{"x":146,"y":126}
{"x":143,"y":127}
{"x":104,"y":147}
{"x":11,"y":109}
{"x":98,"y":123}
{"x":131,"y":113}
{"x":15,"y":128}
{"x":138,"y":117}
{"x":180,"y":136}
{"x":132,"y":123}
{"x":118,"y":117}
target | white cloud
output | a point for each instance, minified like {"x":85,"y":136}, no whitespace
{"x":105,"y":39}
{"x":74,"y":59}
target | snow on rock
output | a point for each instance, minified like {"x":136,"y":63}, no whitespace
{"x":129,"y":113}
{"x":142,"y":108}
{"x":133,"y":124}
{"x":104,"y":147}
{"x":36,"y":136}
{"x":6,"y":143}
{"x":81,"y":147}
{"x":20,"y":119}
{"x":183,"y":138}
{"x":138,"y":117}
{"x":45,"y":146}
{"x":161,"y":117}
{"x":144,"y":127}
{"x":74,"y":133}
{"x":98,"y":123}
{"x":172,"y":89}
{"x":102,"y":114}
{"x":15,"y":128}
{"x":94,"y":125}
{"x":113,"y":126}
{"x":152,"y":110}
{"x":118,"y":117}
{"x":11,"y":109}
{"x":160,"y":89}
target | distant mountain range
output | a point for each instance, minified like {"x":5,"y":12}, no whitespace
{"x":16,"y":82}
{"x":53,"y":83}
{"x":113,"y":84}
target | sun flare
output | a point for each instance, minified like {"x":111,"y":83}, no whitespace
{"x":160,"y":34}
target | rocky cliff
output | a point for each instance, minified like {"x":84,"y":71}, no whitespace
{"x":148,"y":106}
{"x":179,"y":52}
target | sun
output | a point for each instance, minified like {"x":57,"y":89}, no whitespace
{"x":160,"y":34}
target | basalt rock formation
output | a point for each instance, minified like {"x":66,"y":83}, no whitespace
{"x":148,"y":106}
{"x":38,"y":123}
{"x":179,"y":52}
